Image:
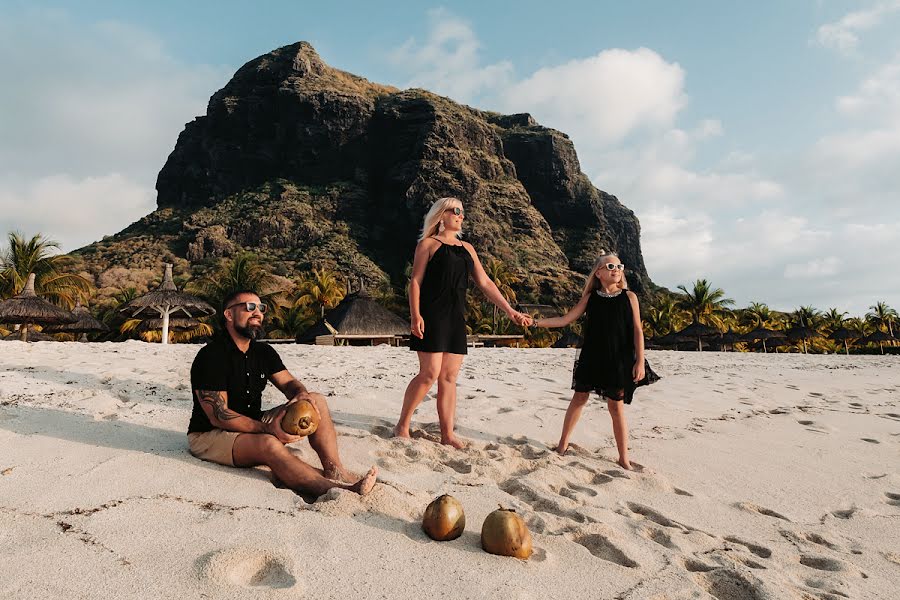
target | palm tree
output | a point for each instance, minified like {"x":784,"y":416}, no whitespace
{"x":321,"y":288}
{"x":662,"y":316}
{"x":882,"y":317}
{"x":242,"y":272}
{"x":290,"y":321}
{"x":504,"y":279}
{"x":705,"y":304}
{"x":758,"y":314}
{"x":833,"y":319}
{"x":38,"y":255}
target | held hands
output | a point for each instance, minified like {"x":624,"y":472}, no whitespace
{"x":520,"y":319}
{"x":638,"y":371}
{"x":417,"y":327}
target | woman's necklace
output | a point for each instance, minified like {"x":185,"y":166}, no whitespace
{"x":603,"y":294}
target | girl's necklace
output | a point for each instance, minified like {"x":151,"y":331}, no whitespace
{"x":603,"y":294}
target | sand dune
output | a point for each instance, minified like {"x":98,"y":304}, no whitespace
{"x":760,"y":477}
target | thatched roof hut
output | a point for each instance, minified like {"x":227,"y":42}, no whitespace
{"x":27,"y":308}
{"x":764,"y":334}
{"x":842,"y":334}
{"x":84,"y":323}
{"x":358,"y":314}
{"x":697,"y":331}
{"x":877,"y":337}
{"x":165,"y":302}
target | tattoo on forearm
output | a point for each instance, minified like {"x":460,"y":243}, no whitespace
{"x":216,"y":401}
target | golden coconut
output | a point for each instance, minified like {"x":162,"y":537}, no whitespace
{"x":300,"y":418}
{"x":504,"y":533}
{"x":444,"y":519}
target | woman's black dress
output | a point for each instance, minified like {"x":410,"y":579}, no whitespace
{"x":442,"y":301}
{"x":606,"y":358}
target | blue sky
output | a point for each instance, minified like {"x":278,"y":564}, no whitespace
{"x":757,"y":144}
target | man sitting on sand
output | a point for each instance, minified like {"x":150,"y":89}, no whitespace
{"x":227,"y":424}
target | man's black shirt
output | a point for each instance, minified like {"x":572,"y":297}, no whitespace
{"x":221,"y":367}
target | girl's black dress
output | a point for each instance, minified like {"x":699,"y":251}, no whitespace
{"x":606,"y":358}
{"x":442,"y":301}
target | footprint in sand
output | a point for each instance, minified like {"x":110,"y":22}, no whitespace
{"x":892,"y":498}
{"x":682,"y":492}
{"x":656,"y":517}
{"x":870,"y":440}
{"x":661,"y":537}
{"x":823,"y":563}
{"x":726,"y":584}
{"x":601,"y":547}
{"x":892,"y":416}
{"x":576,"y":492}
{"x":750,"y":507}
{"x":247,"y":567}
{"x":760,"y":551}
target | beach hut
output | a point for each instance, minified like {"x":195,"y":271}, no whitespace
{"x":26,"y":308}
{"x":84,"y":324}
{"x":877,"y":337}
{"x":357,"y":318}
{"x":164,"y":302}
{"x":801,"y":333}
{"x":697,"y":331}
{"x":764,"y":334}
{"x":729,"y":338}
{"x":842,"y":334}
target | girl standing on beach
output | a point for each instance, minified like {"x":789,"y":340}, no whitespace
{"x":610,"y":361}
{"x":437,"y":307}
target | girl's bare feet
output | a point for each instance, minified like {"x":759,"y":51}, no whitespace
{"x":401,"y":432}
{"x":562,"y":449}
{"x":625,"y":464}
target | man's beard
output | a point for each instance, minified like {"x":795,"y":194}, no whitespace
{"x":251,"y":332}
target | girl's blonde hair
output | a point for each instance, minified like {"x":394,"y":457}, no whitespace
{"x":432,"y":221}
{"x":592,"y":282}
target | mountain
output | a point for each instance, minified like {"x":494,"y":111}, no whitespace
{"x":307,"y":165}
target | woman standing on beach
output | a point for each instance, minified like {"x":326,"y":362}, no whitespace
{"x":437,"y":307}
{"x":610,"y":361}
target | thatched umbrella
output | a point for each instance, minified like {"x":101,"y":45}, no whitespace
{"x":85,"y":323}
{"x":729,"y":338}
{"x":175,"y":324}
{"x":26,"y":308}
{"x":762,"y":333}
{"x":842,"y":334}
{"x":165,"y":301}
{"x":697,"y":330}
{"x":357,"y":314}
{"x":801,"y":333}
{"x":877,"y":337}
{"x":33,"y":336}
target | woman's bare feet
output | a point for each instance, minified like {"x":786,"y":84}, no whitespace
{"x":365,"y":485}
{"x":401,"y":432}
{"x":562,"y":449}
{"x":452,"y":440}
{"x":625,"y":464}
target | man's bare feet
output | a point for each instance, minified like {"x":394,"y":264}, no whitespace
{"x":401,"y":432}
{"x":341,"y":474}
{"x":365,"y":485}
{"x":625,"y":464}
{"x":454,"y":441}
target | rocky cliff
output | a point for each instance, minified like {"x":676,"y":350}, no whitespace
{"x":308,"y":166}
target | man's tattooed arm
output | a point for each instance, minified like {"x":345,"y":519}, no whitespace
{"x":217,"y":404}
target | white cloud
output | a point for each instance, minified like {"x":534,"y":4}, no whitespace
{"x":843,"y":34}
{"x":447,"y":62}
{"x":818,"y":267}
{"x":76,"y":211}
{"x":605,"y":98}
{"x":89,"y":121}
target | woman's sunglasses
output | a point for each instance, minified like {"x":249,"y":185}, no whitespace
{"x":457,"y":211}
{"x":614,"y":267}
{"x":251,"y":306}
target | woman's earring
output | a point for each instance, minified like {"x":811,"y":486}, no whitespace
{"x":441,"y":227}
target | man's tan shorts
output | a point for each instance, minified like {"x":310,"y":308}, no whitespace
{"x":214,"y":446}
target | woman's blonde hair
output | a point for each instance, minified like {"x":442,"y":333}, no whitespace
{"x":592,"y":282}
{"x":432,"y":221}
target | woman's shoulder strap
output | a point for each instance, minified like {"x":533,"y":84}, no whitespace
{"x":436,"y":239}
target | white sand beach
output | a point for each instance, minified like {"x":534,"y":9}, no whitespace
{"x":765,"y":476}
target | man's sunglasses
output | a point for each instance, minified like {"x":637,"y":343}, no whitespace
{"x":456,"y":211}
{"x":614,"y":267}
{"x":251,"y":306}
